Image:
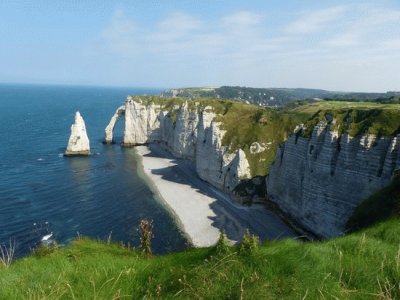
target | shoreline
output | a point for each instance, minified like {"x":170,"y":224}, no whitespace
{"x":199,"y":209}
{"x":159,"y":198}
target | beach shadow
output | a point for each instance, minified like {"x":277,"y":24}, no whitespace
{"x":233,"y":218}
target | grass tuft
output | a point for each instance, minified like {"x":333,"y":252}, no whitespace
{"x":7,"y":254}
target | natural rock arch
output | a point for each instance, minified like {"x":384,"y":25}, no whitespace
{"x":110,"y":127}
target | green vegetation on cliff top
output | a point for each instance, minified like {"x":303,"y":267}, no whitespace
{"x":364,"y":265}
{"x":246,"y":124}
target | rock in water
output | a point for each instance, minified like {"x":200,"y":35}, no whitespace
{"x":78,"y":143}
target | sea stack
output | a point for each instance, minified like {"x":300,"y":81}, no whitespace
{"x":78,"y":143}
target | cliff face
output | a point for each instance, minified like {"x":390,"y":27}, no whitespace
{"x":317,"y":180}
{"x":78,"y":143}
{"x":320,"y":180}
{"x":187,"y":132}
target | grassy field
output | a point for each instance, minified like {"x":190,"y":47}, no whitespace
{"x":364,"y":265}
{"x":313,"y":107}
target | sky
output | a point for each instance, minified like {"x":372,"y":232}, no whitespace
{"x":349,"y":45}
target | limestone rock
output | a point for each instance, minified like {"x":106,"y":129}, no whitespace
{"x":110,"y":127}
{"x":187,"y":132}
{"x":238,"y":169}
{"x":142,"y":123}
{"x":257,"y":148}
{"x":320,"y":180}
{"x":78,"y":143}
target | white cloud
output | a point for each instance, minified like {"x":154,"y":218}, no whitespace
{"x":372,"y":27}
{"x":247,"y":49}
{"x":121,"y":34}
{"x":315,"y":21}
{"x":242,"y":19}
{"x":178,"y":25}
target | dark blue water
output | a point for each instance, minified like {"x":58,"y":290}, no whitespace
{"x":41,"y":190}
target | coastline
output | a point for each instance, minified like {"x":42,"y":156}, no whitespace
{"x":199,"y":209}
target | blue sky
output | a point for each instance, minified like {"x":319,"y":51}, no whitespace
{"x":335,"y":45}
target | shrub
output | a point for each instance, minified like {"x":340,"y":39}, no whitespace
{"x":146,"y":234}
{"x":45,"y":249}
{"x":222,"y":246}
{"x":249,"y":243}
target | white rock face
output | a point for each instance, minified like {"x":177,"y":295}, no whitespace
{"x":189,"y":133}
{"x":320,"y":180}
{"x":257,"y":148}
{"x":142,"y":124}
{"x":78,"y":143}
{"x":110,"y":127}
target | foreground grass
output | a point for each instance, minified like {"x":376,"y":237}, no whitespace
{"x":363,"y":265}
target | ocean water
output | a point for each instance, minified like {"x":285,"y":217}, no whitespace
{"x":42,"y":191}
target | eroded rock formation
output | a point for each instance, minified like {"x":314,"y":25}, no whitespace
{"x":186,"y":132}
{"x":320,"y":180}
{"x":78,"y":143}
{"x":110,"y":127}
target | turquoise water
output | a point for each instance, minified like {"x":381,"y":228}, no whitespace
{"x":42,"y":191}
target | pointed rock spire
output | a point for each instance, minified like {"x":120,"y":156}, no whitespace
{"x":78,"y":143}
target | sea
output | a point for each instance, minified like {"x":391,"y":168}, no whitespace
{"x":103,"y":196}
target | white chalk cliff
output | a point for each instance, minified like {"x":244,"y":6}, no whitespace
{"x":110,"y":128}
{"x":320,"y":180}
{"x":78,"y":143}
{"x":186,"y":132}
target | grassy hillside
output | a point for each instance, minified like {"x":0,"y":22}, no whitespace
{"x":278,"y":97}
{"x":365,"y":265}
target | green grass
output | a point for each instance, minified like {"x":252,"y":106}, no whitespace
{"x":315,"y":106}
{"x":364,"y":265}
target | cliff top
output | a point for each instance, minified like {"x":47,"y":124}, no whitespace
{"x":276,"y":97}
{"x":246,"y":124}
{"x":354,"y":118}
{"x":315,"y":106}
